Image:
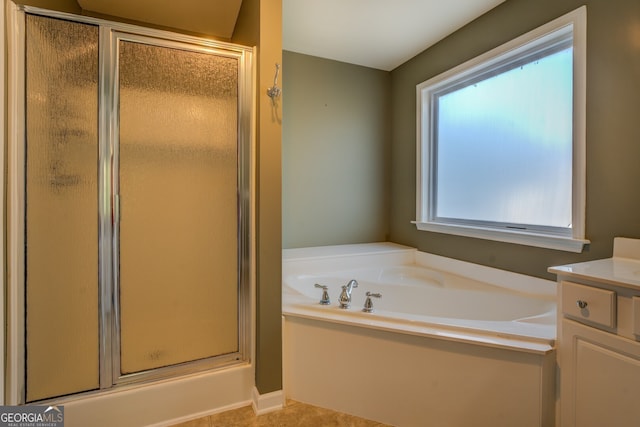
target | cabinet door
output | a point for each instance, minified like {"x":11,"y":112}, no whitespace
{"x":600,"y":378}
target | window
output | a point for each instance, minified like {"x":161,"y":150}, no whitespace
{"x":501,"y":142}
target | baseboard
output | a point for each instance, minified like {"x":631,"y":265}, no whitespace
{"x":268,"y":402}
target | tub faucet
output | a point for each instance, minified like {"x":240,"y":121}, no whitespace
{"x":345,"y":295}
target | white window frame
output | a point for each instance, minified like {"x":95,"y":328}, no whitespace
{"x":575,"y":22}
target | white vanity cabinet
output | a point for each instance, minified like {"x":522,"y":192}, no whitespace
{"x":599,"y":339}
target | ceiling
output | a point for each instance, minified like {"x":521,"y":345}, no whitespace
{"x":380,"y":34}
{"x":214,"y":17}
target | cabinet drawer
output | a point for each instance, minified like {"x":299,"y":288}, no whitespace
{"x":588,"y":303}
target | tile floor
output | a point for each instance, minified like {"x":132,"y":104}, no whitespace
{"x":294,"y":414}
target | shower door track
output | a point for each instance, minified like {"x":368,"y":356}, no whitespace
{"x":108,"y":204}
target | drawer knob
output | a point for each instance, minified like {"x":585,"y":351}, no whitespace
{"x":581,"y":304}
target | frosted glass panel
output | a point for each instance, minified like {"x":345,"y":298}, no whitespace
{"x":504,"y":146}
{"x":179,"y":206}
{"x":61,"y":208}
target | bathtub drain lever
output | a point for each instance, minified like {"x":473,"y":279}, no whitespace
{"x":368,"y":304}
{"x":325,"y":294}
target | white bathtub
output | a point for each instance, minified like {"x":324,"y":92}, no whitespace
{"x":470,"y":320}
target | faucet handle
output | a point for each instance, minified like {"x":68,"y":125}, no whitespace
{"x":325,"y":294}
{"x":368,"y":304}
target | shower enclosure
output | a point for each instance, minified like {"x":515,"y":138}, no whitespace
{"x":129,"y":205}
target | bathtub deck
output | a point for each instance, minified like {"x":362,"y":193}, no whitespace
{"x":528,"y":324}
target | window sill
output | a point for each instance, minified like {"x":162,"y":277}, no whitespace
{"x":560,"y":243}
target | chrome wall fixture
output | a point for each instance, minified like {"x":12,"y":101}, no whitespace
{"x":274,"y":91}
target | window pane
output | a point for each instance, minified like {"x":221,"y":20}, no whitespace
{"x":504,"y":146}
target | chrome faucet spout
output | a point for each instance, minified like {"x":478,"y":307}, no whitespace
{"x":352,"y":284}
{"x":345,"y":295}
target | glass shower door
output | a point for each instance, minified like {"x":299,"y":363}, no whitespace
{"x":61,"y":250}
{"x":129,"y":205}
{"x":178,"y":205}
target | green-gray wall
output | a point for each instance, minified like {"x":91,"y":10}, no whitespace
{"x":334,"y":139}
{"x":336,"y":131}
{"x":613,"y":132}
{"x":260,"y":23}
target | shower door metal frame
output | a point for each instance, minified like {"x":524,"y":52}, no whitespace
{"x":108,"y":210}
{"x":148,"y":38}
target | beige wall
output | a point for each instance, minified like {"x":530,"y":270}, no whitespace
{"x":613,"y":134}
{"x":335,"y":152}
{"x":69,"y":6}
